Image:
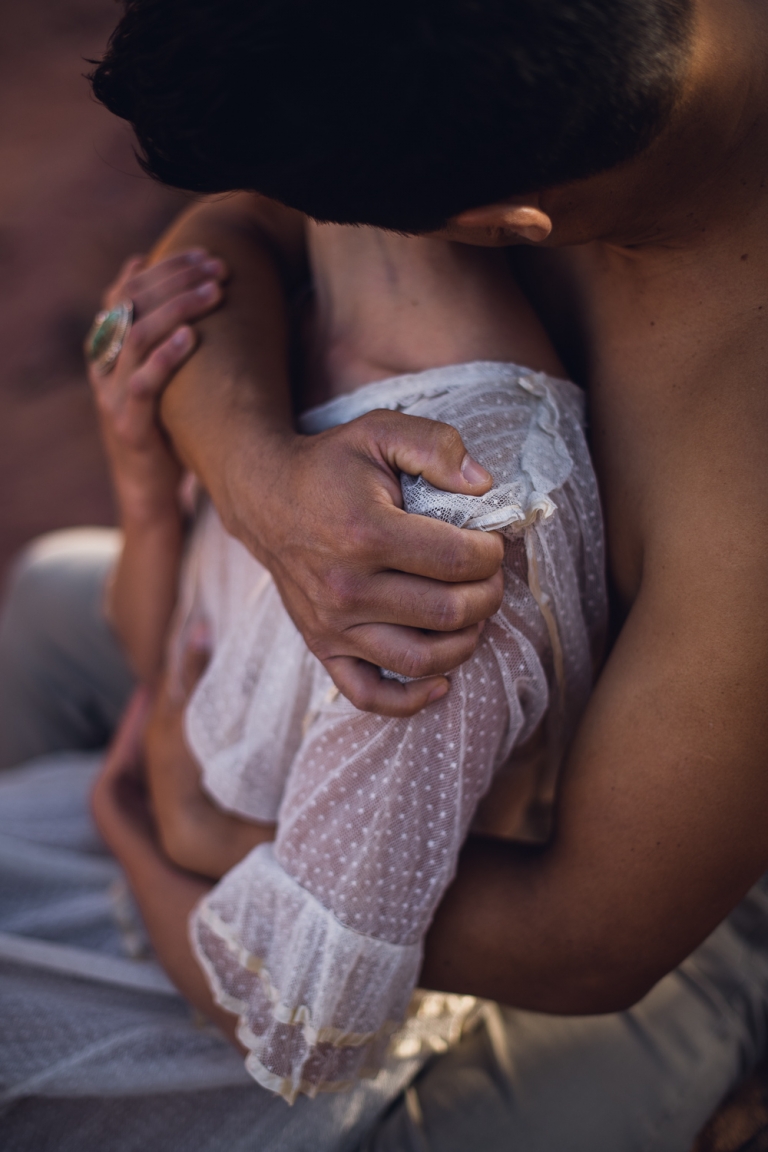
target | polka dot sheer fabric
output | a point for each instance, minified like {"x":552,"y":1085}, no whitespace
{"x":315,"y":941}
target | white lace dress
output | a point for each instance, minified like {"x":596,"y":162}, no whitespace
{"x":315,"y":941}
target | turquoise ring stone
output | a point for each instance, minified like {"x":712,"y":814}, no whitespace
{"x":107,"y":336}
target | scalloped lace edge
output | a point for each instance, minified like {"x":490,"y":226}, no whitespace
{"x":299,"y":1016}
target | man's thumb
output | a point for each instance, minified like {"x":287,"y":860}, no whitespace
{"x":435,"y":451}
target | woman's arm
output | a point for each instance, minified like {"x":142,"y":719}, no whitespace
{"x":195,"y":834}
{"x":165,"y":894}
{"x":145,"y":471}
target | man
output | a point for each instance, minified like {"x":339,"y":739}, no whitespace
{"x":641,"y":128}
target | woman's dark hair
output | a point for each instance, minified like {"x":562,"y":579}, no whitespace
{"x":397,"y":113}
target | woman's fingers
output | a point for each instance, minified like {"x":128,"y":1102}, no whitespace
{"x":149,"y":331}
{"x":147,"y":277}
{"x":129,"y":270}
{"x":155,"y":286}
{"x":166,"y":298}
{"x":149,"y":287}
{"x":156,"y":370}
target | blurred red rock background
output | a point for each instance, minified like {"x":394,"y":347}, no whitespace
{"x":73,"y":205}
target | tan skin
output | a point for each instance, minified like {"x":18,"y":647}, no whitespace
{"x":661,"y":816}
{"x":145,"y":473}
{"x":384,"y":304}
{"x":660,"y":272}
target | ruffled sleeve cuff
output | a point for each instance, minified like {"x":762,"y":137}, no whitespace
{"x":316,"y":1001}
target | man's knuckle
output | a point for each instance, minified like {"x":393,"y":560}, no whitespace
{"x":342,"y":589}
{"x":377,"y":419}
{"x":447,"y":438}
{"x":451,"y":612}
{"x":454,"y":561}
{"x":362,"y":696}
{"x":360,"y":538}
{"x":415,"y":661}
{"x":320,"y":645}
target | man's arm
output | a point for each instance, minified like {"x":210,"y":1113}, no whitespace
{"x":361,"y":579}
{"x":662,"y":817}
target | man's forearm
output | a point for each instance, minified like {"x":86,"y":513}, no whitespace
{"x":231,"y":401}
{"x":660,"y":827}
{"x":504,"y":932}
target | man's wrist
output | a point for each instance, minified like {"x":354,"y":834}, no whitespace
{"x":252,"y":476}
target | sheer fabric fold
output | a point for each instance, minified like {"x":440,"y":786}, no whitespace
{"x":315,"y":942}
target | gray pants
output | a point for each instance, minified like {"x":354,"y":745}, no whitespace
{"x":63,"y":679}
{"x":646,"y":1079}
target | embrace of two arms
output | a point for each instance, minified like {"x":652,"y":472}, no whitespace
{"x":611,"y":905}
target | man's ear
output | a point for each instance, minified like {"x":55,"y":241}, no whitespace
{"x":506,"y":222}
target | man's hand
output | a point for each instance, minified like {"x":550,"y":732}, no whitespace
{"x":367,"y":584}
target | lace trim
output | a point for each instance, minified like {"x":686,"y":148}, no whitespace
{"x":286,"y":1088}
{"x":283,"y":1014}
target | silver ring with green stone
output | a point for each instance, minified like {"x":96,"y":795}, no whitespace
{"x":108,"y":333}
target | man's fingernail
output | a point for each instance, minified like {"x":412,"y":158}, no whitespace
{"x":208,"y":290}
{"x":473,"y":472}
{"x":213,"y":267}
{"x":181,"y":337}
{"x":437,"y":693}
{"x":195,"y":255}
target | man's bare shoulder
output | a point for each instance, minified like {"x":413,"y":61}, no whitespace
{"x":672,"y":753}
{"x":674,"y":348}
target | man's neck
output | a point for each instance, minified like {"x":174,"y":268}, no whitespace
{"x":707,"y":167}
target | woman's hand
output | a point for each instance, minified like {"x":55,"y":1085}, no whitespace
{"x":119,"y":800}
{"x":166,"y":297}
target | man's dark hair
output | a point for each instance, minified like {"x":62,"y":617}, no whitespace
{"x":397,"y":113}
